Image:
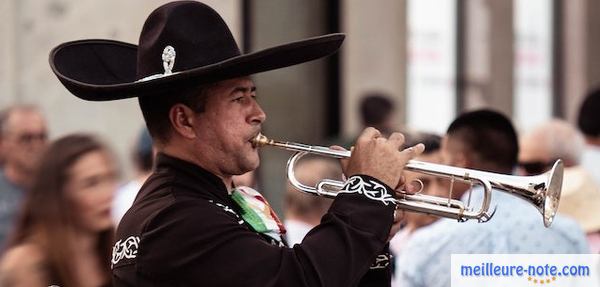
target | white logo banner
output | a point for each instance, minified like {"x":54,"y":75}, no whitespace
{"x":527,"y":270}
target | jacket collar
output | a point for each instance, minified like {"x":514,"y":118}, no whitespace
{"x":191,"y":175}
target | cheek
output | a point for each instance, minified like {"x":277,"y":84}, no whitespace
{"x":215,"y":128}
{"x":446,"y":158}
{"x":83,"y":202}
{"x":89,"y":200}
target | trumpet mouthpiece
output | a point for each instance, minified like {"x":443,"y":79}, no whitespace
{"x":259,"y":141}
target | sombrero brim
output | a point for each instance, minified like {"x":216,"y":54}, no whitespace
{"x":105,"y":70}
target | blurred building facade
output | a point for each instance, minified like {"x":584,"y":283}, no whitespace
{"x":531,"y":59}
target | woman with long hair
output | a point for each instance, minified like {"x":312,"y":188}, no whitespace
{"x":64,"y":234}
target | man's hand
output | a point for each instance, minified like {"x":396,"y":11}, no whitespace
{"x":378,"y":157}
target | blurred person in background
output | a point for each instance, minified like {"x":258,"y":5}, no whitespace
{"x":377,"y":110}
{"x":2,"y":121}
{"x":545,"y":143}
{"x":588,"y":122}
{"x":431,"y":185}
{"x":483,"y":140}
{"x":64,"y":233}
{"x":143,"y":160}
{"x":23,"y":137}
{"x":304,"y":211}
{"x":580,"y":196}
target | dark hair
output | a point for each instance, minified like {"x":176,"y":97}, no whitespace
{"x":46,"y":213}
{"x":375,"y":108}
{"x":489,"y":136}
{"x":431,"y":141}
{"x":588,"y":120}
{"x":143,"y":155}
{"x":155,"y":108}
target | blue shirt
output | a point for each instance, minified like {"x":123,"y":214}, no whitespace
{"x":11,"y":198}
{"x":516,"y":227}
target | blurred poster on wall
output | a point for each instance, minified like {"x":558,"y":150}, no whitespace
{"x":533,"y":62}
{"x":431,"y":95}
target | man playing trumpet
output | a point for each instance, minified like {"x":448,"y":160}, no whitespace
{"x":189,"y":225}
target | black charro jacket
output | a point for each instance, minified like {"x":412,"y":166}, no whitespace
{"x":184,"y":230}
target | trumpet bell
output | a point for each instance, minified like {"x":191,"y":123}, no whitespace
{"x":552,"y":193}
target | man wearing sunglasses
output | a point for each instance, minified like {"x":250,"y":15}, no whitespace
{"x":542,"y":146}
{"x":580,"y":196}
{"x":23,"y":136}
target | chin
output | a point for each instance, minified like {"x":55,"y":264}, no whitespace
{"x":103,"y":225}
{"x":251,"y":166}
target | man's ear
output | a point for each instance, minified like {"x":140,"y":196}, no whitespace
{"x":182,"y":120}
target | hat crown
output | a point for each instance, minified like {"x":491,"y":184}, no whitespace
{"x":197,"y":33}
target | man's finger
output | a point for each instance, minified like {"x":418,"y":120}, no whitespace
{"x":414,"y":151}
{"x":343,"y":161}
{"x":396,"y":140}
{"x":369,"y":134}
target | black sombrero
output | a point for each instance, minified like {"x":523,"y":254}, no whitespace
{"x":182,"y":44}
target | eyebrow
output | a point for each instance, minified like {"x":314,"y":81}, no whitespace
{"x":244,"y":89}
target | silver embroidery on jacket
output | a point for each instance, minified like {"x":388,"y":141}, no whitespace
{"x":228,"y":209}
{"x":127,"y":248}
{"x":382,"y":261}
{"x":371,"y":189}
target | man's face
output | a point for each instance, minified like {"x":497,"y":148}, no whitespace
{"x":231,"y":118}
{"x":24,"y":140}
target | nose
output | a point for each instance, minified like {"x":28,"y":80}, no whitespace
{"x":257,"y":116}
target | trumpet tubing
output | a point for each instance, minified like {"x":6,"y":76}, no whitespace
{"x":542,"y":191}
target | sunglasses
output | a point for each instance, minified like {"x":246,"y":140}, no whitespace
{"x":28,"y":138}
{"x":536,"y":167}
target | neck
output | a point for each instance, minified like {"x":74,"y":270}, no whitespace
{"x":174,"y":152}
{"x":84,"y":241}
{"x":16,"y":175}
{"x":87,"y":265}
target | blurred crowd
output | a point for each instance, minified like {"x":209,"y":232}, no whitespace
{"x":61,"y":200}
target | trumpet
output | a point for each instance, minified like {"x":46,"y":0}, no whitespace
{"x":542,"y":191}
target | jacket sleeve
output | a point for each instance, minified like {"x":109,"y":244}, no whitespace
{"x":202,"y":245}
{"x":380,"y":271}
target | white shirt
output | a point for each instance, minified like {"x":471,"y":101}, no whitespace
{"x":590,"y":160}
{"x":516,"y":227}
{"x":295,"y":231}
{"x":124,"y":198}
